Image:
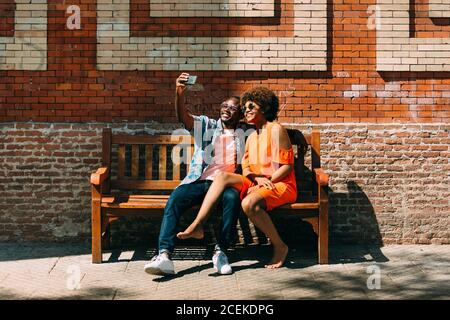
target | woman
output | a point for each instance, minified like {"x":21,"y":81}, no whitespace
{"x":268,"y":178}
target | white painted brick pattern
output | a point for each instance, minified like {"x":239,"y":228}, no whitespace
{"x":396,"y":51}
{"x":117,"y":50}
{"x":212,"y":8}
{"x":27,"y":49}
{"x":439,"y":8}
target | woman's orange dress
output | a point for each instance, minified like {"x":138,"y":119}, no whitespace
{"x":263,"y":157}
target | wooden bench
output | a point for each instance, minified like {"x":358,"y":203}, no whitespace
{"x":128,"y":163}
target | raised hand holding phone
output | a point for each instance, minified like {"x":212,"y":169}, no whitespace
{"x":181,"y":82}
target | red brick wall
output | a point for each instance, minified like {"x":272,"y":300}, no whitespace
{"x":72,"y":90}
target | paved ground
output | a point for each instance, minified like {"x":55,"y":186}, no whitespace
{"x":65,"y":272}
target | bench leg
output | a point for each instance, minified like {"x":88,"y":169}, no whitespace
{"x":96,"y":232}
{"x":323,"y":233}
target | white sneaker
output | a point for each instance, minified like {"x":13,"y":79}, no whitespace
{"x":220,"y":262}
{"x":160,"y":265}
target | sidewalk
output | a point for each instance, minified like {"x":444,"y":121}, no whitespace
{"x":54,"y":271}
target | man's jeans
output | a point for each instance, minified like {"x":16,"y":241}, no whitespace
{"x":188,"y":195}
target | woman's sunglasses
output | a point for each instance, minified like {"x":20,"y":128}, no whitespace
{"x":250,"y":107}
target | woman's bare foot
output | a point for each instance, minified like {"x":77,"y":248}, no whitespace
{"x":192,"y":231}
{"x":279,"y":257}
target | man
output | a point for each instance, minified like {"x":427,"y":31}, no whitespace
{"x":220,"y":137}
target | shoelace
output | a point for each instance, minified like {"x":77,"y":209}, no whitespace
{"x":157,"y":257}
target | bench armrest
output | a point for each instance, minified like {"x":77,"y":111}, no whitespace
{"x":321,"y":177}
{"x":99,"y":176}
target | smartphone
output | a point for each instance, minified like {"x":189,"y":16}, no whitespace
{"x":191,"y":80}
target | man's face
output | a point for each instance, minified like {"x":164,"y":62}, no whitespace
{"x":230,"y":112}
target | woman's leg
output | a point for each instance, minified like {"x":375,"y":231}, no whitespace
{"x":181,"y":199}
{"x":222,"y":181}
{"x":254,"y":207}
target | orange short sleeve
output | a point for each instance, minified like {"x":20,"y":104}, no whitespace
{"x":284,"y":156}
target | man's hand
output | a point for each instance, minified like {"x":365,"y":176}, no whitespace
{"x":181,"y":80}
{"x":264,"y":182}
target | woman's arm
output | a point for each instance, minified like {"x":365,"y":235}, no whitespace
{"x":251,"y":175}
{"x":281,"y":140}
{"x":281,"y":172}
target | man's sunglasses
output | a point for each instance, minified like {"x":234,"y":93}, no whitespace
{"x":230,"y":107}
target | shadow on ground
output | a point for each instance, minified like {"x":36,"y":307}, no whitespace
{"x":299,"y":255}
{"x":352,"y":208}
{"x":93,"y":293}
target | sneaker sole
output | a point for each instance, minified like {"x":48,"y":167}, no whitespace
{"x":157,"y":272}
{"x":217,"y":270}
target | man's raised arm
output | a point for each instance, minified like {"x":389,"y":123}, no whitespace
{"x":183,"y":114}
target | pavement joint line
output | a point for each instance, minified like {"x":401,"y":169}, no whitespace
{"x":115,"y":293}
{"x":54,"y":265}
{"x":82,"y":277}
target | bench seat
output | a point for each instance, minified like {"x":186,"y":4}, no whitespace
{"x":159,"y":202}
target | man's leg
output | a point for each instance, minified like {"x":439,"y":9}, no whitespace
{"x":181,"y":199}
{"x":231,"y":204}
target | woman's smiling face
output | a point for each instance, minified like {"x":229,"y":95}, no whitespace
{"x":253,"y":113}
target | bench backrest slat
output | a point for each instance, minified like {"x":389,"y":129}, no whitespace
{"x":134,"y":161}
{"x":300,"y":162}
{"x":121,"y":162}
{"x":162,"y":162}
{"x":176,"y":152}
{"x":106,"y":156}
{"x":148,"y":161}
{"x":315,"y":156}
{"x":315,"y":149}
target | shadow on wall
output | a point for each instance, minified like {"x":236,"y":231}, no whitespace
{"x":353,"y":220}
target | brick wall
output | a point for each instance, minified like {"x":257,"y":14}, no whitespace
{"x":377,"y":85}
{"x":388,"y":182}
{"x":103,"y":71}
